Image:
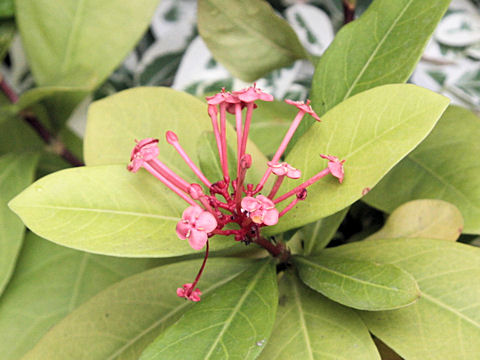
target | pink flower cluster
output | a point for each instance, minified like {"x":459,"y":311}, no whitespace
{"x":229,"y":200}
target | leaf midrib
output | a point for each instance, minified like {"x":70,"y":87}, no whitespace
{"x":107,"y":211}
{"x":240,"y":302}
{"x":73,"y":31}
{"x":302,"y":320}
{"x":375,"y":51}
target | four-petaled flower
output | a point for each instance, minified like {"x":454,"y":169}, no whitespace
{"x":260,"y":209}
{"x":145,"y":150}
{"x":335,"y":166}
{"x":187,"y":292}
{"x":195,"y":225}
{"x":284,"y":169}
{"x":305,"y":107}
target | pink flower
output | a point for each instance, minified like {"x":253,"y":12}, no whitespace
{"x":282,"y":169}
{"x":145,"y":150}
{"x":195,"y":225}
{"x":186,"y":292}
{"x":261,"y":209}
{"x":304,"y":107}
{"x":252,"y":94}
{"x":335,"y":166}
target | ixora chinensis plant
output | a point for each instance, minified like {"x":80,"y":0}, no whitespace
{"x":235,"y":225}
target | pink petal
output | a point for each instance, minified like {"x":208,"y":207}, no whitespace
{"x":135,"y":165}
{"x":279,"y":171}
{"x":195,"y":295}
{"x":336,"y":168}
{"x":294,"y":174}
{"x":183,"y":229}
{"x":216,"y":99}
{"x":191,"y":214}
{"x":197,"y":239}
{"x":266,"y":202}
{"x":206,"y":222}
{"x":249,"y":204}
{"x":330,"y":158}
{"x":257,"y":216}
{"x":181,"y":292}
{"x":270,"y":217}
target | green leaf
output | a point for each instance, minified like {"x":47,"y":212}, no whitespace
{"x":247,"y":37}
{"x":445,"y":166}
{"x":363,"y":285}
{"x":234,"y":321}
{"x":16,"y":173}
{"x":7,"y":31}
{"x":49,"y":282}
{"x":115,"y":122}
{"x":106,"y":210}
{"x":372,"y":131}
{"x":6,"y":8}
{"x":17,"y":136}
{"x":78,"y":43}
{"x":309,"y":326}
{"x":381,"y":47}
{"x":432,"y":219}
{"x":445,"y":322}
{"x":317,"y":235}
{"x":122,"y":320}
{"x":86,"y":42}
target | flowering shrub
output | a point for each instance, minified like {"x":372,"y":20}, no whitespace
{"x":353,"y":237}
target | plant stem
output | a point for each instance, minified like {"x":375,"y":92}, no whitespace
{"x":278,"y":250}
{"x":55,"y":144}
{"x":348,"y":11}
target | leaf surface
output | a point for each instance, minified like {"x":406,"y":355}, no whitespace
{"x":311,"y":327}
{"x":16,"y":173}
{"x":372,"y":131}
{"x":49,"y":282}
{"x":363,"y":285}
{"x":381,"y":47}
{"x":247,"y":37}
{"x":106,"y":210}
{"x":445,"y":322}
{"x":432,"y":219}
{"x":103,"y":327}
{"x":445,"y":166}
{"x":235,"y":321}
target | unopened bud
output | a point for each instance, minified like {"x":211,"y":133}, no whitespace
{"x":302,"y":194}
{"x":171,"y":137}
{"x":246,"y":161}
{"x":195,"y":191}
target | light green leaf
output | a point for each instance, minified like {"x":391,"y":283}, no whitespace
{"x":115,"y":122}
{"x":7,"y":31}
{"x":445,"y":322}
{"x":16,"y":173}
{"x":363,"y":285}
{"x":86,"y":40}
{"x":311,"y":327}
{"x":49,"y":282}
{"x":122,"y":320}
{"x":78,"y":43}
{"x":317,"y":235}
{"x":106,"y":210}
{"x":432,"y":219}
{"x":247,"y":37}
{"x":381,"y":47}
{"x":445,"y":166}
{"x":372,"y":131}
{"x":235,"y":321}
